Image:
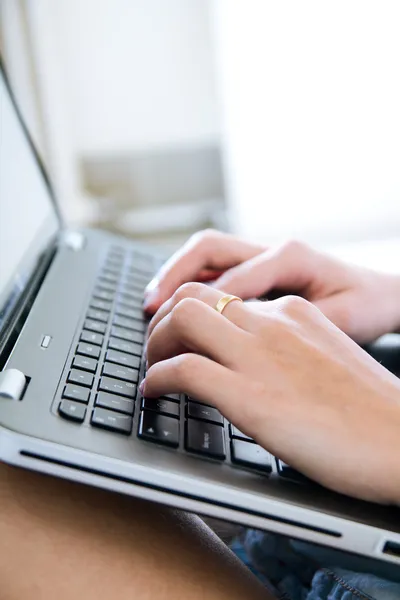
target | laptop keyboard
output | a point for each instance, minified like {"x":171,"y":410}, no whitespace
{"x":100,"y":386}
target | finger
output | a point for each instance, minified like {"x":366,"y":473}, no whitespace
{"x":208,"y":250}
{"x":291,"y":267}
{"x":205,"y":381}
{"x":194,"y":326}
{"x":234,"y":311}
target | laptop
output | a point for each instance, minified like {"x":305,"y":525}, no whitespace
{"x":71,"y":358}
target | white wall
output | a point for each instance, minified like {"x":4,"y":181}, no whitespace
{"x":311,"y":97}
{"x":139,"y":73}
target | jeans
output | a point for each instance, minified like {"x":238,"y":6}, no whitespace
{"x":294,"y":570}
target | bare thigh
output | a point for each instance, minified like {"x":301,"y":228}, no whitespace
{"x":63,"y":541}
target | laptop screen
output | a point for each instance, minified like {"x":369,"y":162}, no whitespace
{"x":28,"y":219}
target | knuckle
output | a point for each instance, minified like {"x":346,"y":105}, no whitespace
{"x":188,"y":290}
{"x":186,"y":368}
{"x":182,"y":313}
{"x":293,"y":247}
{"x":294,"y":305}
{"x":206,"y":236}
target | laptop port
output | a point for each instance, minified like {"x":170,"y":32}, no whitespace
{"x":392,"y":549}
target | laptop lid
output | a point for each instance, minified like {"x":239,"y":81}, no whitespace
{"x":29,"y":219}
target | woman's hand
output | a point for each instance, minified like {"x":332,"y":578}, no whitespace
{"x":363,"y":303}
{"x":286,"y":376}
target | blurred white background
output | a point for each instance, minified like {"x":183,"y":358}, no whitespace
{"x":272,"y":119}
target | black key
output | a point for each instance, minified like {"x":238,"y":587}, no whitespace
{"x":125,"y":306}
{"x":134,"y":283}
{"x":107,"y":286}
{"x":72,"y":410}
{"x":126,"y":334}
{"x":129,"y":323}
{"x":164,"y":407}
{"x":236,"y":433}
{"x":109,"y":276}
{"x":113,"y":402}
{"x":81,"y":378}
{"x":120,"y":358}
{"x":205,"y":413}
{"x":131,"y":299}
{"x":100,"y":304}
{"x":288,"y":472}
{"x":174,"y":397}
{"x":114,"y":266}
{"x":102,"y":294}
{"x":76,"y":392}
{"x":98,"y":315}
{"x":133,"y":288}
{"x":95,"y":326}
{"x":88,"y":350}
{"x":119,"y":372}
{"x":251,"y":455}
{"x":92,"y":338}
{"x":157,"y":428}
{"x":114,"y":386}
{"x":122,"y":346}
{"x":107,"y":419}
{"x":205,"y":438}
{"x":85,"y":363}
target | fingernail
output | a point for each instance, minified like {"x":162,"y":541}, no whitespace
{"x":142,"y":386}
{"x":150,"y":297}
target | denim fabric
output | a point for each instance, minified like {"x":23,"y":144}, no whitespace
{"x":299,"y":571}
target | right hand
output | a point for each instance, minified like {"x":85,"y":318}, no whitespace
{"x":363,"y":303}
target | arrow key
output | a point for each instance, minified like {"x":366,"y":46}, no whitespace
{"x":158,"y":428}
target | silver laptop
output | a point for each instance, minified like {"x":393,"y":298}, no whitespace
{"x":71,"y":341}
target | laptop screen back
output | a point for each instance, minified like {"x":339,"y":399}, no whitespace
{"x":28,"y":219}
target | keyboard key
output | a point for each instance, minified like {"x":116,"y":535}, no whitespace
{"x":135,"y":276}
{"x":131,"y":299}
{"x":98,"y":315}
{"x":120,"y":358}
{"x":107,"y":419}
{"x":96,"y":326}
{"x":157,"y":428}
{"x":251,"y":455}
{"x":100,"y":304}
{"x":76,"y":392}
{"x":88,"y":350}
{"x":122,"y":346}
{"x":159,"y":405}
{"x":110,"y":276}
{"x":119,"y":372}
{"x":288,"y":472}
{"x":236,"y":433}
{"x":174,"y":397}
{"x":134,"y":287}
{"x":92,"y":338}
{"x":203,"y":412}
{"x":125,"y":306}
{"x":129,"y":323}
{"x":72,"y":410}
{"x":113,"y":402}
{"x":115,"y":386}
{"x":126,"y":334}
{"x":205,"y":438}
{"x":102,"y":294}
{"x":107,"y":286}
{"x":85,"y":363}
{"x":81,"y":378}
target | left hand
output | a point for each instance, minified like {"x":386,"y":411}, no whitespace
{"x":290,"y":379}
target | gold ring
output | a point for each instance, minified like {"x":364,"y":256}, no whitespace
{"x":224,"y":301}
